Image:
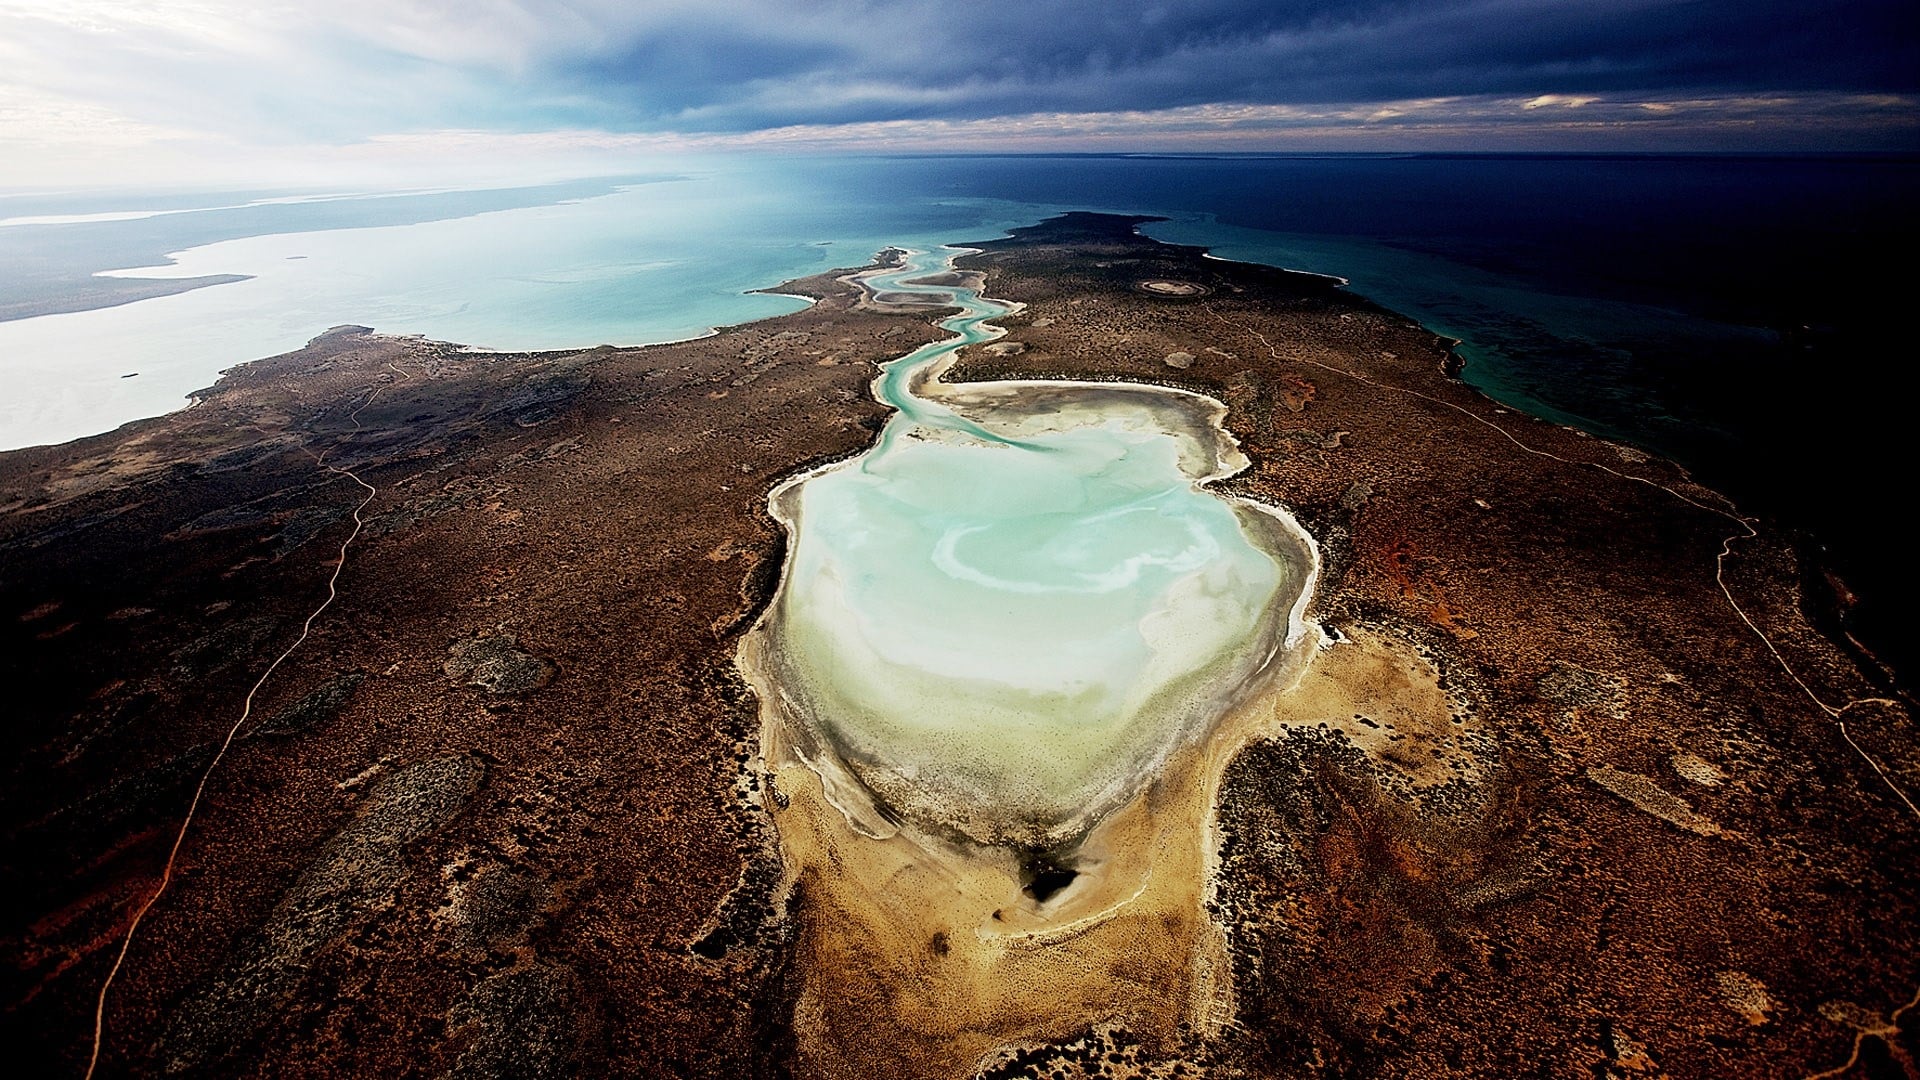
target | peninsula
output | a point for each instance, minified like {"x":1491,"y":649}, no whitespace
{"x":508,"y":744}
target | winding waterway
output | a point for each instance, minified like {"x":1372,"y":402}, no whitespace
{"x":997,"y":622}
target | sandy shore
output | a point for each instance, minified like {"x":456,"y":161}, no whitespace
{"x":925,"y":956}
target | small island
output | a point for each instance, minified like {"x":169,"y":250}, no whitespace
{"x":1556,"y":766}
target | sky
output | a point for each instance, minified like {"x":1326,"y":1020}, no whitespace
{"x":105,"y":92}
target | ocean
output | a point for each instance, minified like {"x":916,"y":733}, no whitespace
{"x":1740,"y":314}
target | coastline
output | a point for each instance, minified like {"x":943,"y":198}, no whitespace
{"x":1523,"y":879}
{"x":490,"y":531}
{"x":1287,"y":457}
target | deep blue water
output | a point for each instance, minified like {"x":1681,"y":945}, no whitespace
{"x":1747,"y":316}
{"x":1741,"y":314}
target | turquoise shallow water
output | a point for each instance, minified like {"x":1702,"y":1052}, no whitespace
{"x":1000,"y":619}
{"x":1696,"y":305}
{"x":658,"y":261}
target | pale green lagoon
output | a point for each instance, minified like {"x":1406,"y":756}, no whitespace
{"x":1003,"y":617}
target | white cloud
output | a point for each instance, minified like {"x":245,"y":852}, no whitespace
{"x":1560,"y":101}
{"x":47,"y":144}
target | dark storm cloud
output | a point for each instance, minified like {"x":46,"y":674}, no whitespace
{"x":745,"y":66}
{"x":85,"y":81}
